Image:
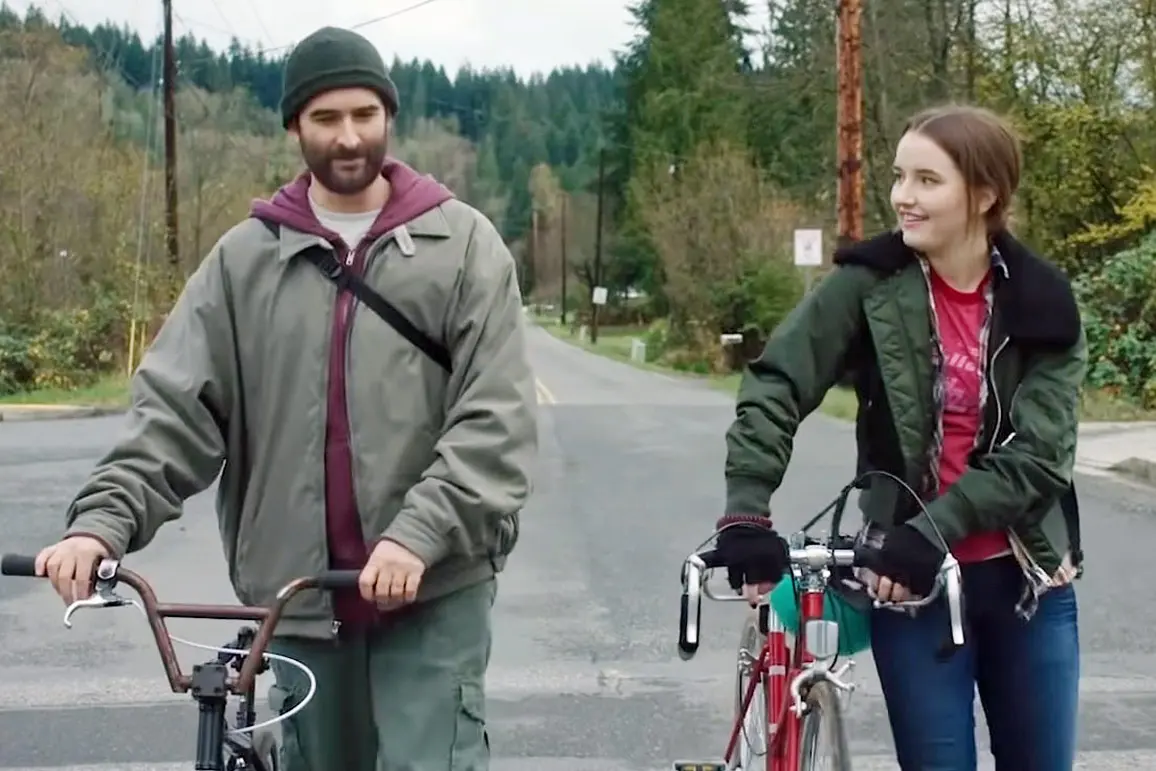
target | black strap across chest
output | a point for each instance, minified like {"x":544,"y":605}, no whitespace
{"x":326,"y":262}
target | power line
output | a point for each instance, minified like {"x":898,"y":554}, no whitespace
{"x":392,"y":14}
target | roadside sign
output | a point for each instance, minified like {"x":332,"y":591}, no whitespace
{"x":808,"y":247}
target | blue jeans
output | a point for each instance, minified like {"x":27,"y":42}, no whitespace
{"x":1027,"y":674}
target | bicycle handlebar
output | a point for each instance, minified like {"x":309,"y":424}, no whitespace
{"x":812,"y":557}
{"x":110,"y":572}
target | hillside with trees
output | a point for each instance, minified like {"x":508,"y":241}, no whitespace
{"x":717,"y":140}
{"x":722,"y":150}
{"x":83,"y":185}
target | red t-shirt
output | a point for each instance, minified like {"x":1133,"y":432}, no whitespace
{"x":960,"y":316}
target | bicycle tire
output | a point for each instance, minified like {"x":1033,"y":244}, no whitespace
{"x":824,"y":711}
{"x":751,"y":642}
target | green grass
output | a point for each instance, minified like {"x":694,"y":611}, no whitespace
{"x":1101,"y":406}
{"x":614,"y":342}
{"x":108,"y":391}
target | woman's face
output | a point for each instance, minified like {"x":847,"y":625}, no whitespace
{"x":929,"y":196}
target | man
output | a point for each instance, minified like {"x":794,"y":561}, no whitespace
{"x":343,"y":443}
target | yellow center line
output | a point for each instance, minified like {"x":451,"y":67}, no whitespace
{"x":544,"y":395}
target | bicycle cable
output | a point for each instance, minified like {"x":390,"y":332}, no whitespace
{"x":237,"y":652}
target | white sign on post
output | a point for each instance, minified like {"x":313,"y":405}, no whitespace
{"x":808,"y":248}
{"x":599,"y":295}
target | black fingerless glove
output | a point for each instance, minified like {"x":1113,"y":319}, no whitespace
{"x":753,"y":553}
{"x":909,"y":559}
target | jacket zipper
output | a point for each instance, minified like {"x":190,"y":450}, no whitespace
{"x":346,"y":314}
{"x":995,"y":394}
{"x":350,"y":308}
{"x":362,"y":250}
{"x":345,"y":305}
{"x":1028,"y":566}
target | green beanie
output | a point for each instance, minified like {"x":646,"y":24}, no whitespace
{"x":333,"y":58}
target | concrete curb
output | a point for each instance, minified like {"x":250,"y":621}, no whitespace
{"x":23,"y":413}
{"x":1136,"y":468}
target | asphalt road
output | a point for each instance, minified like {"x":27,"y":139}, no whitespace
{"x":585,"y":674}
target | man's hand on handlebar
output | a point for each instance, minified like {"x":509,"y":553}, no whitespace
{"x":70,"y":565}
{"x":906,"y":563}
{"x":755,"y":555}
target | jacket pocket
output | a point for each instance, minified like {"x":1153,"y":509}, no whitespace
{"x":506,"y":536}
{"x":284,"y":696}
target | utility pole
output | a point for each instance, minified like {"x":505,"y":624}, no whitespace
{"x":565,"y":266}
{"x":170,"y":85}
{"x":533,"y":262}
{"x":598,"y":243}
{"x":849,"y":65}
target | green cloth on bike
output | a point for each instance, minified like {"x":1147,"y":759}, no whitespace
{"x":854,"y":620}
{"x":339,"y":443}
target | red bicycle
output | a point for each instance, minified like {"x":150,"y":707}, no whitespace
{"x":244,"y":744}
{"x":788,"y":692}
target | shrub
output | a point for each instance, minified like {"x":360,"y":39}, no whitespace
{"x":1118,"y":303}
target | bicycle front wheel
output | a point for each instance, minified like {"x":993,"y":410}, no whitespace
{"x":750,"y":754}
{"x":824,"y":734}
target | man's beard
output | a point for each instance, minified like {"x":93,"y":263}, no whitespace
{"x":325,"y":166}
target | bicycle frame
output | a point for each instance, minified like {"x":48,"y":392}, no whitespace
{"x":786,"y":671}
{"x":777,"y":666}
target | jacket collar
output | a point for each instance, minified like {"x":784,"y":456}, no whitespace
{"x":1034,"y":298}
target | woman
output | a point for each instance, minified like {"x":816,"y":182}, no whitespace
{"x":967,"y":353}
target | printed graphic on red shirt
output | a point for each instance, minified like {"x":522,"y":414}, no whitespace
{"x":960,"y":316}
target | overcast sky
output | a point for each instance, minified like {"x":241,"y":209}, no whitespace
{"x":529,"y":35}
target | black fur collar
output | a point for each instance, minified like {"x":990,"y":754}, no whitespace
{"x":1035,"y":299}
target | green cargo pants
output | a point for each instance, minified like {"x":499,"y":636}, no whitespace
{"x":409,"y":696}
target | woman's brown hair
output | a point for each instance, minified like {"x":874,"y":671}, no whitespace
{"x":984,"y":148}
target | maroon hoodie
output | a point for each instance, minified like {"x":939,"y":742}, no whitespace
{"x":412,"y":194}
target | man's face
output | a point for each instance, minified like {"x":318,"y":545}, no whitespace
{"x":344,"y":138}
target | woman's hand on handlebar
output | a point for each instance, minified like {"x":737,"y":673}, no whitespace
{"x":755,"y":556}
{"x":884,"y":589}
{"x":907,"y":563}
{"x":70,"y":565}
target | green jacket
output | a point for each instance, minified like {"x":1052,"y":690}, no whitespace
{"x":235,"y":384}
{"x":869,"y":321}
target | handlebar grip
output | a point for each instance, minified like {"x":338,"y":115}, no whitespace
{"x":949,"y":588}
{"x":690,"y":605}
{"x":18,"y":565}
{"x":688,"y":632}
{"x":712,"y":559}
{"x":865,"y":556}
{"x":338,"y":579}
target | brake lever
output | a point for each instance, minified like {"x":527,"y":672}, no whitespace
{"x":953,"y":586}
{"x":104,"y":593}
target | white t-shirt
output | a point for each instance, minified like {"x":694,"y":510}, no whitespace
{"x":352,"y":227}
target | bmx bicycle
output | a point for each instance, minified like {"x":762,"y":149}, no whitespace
{"x":220,"y":746}
{"x":789,"y":677}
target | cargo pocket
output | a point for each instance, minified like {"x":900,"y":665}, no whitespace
{"x":471,"y":748}
{"x":282,"y":698}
